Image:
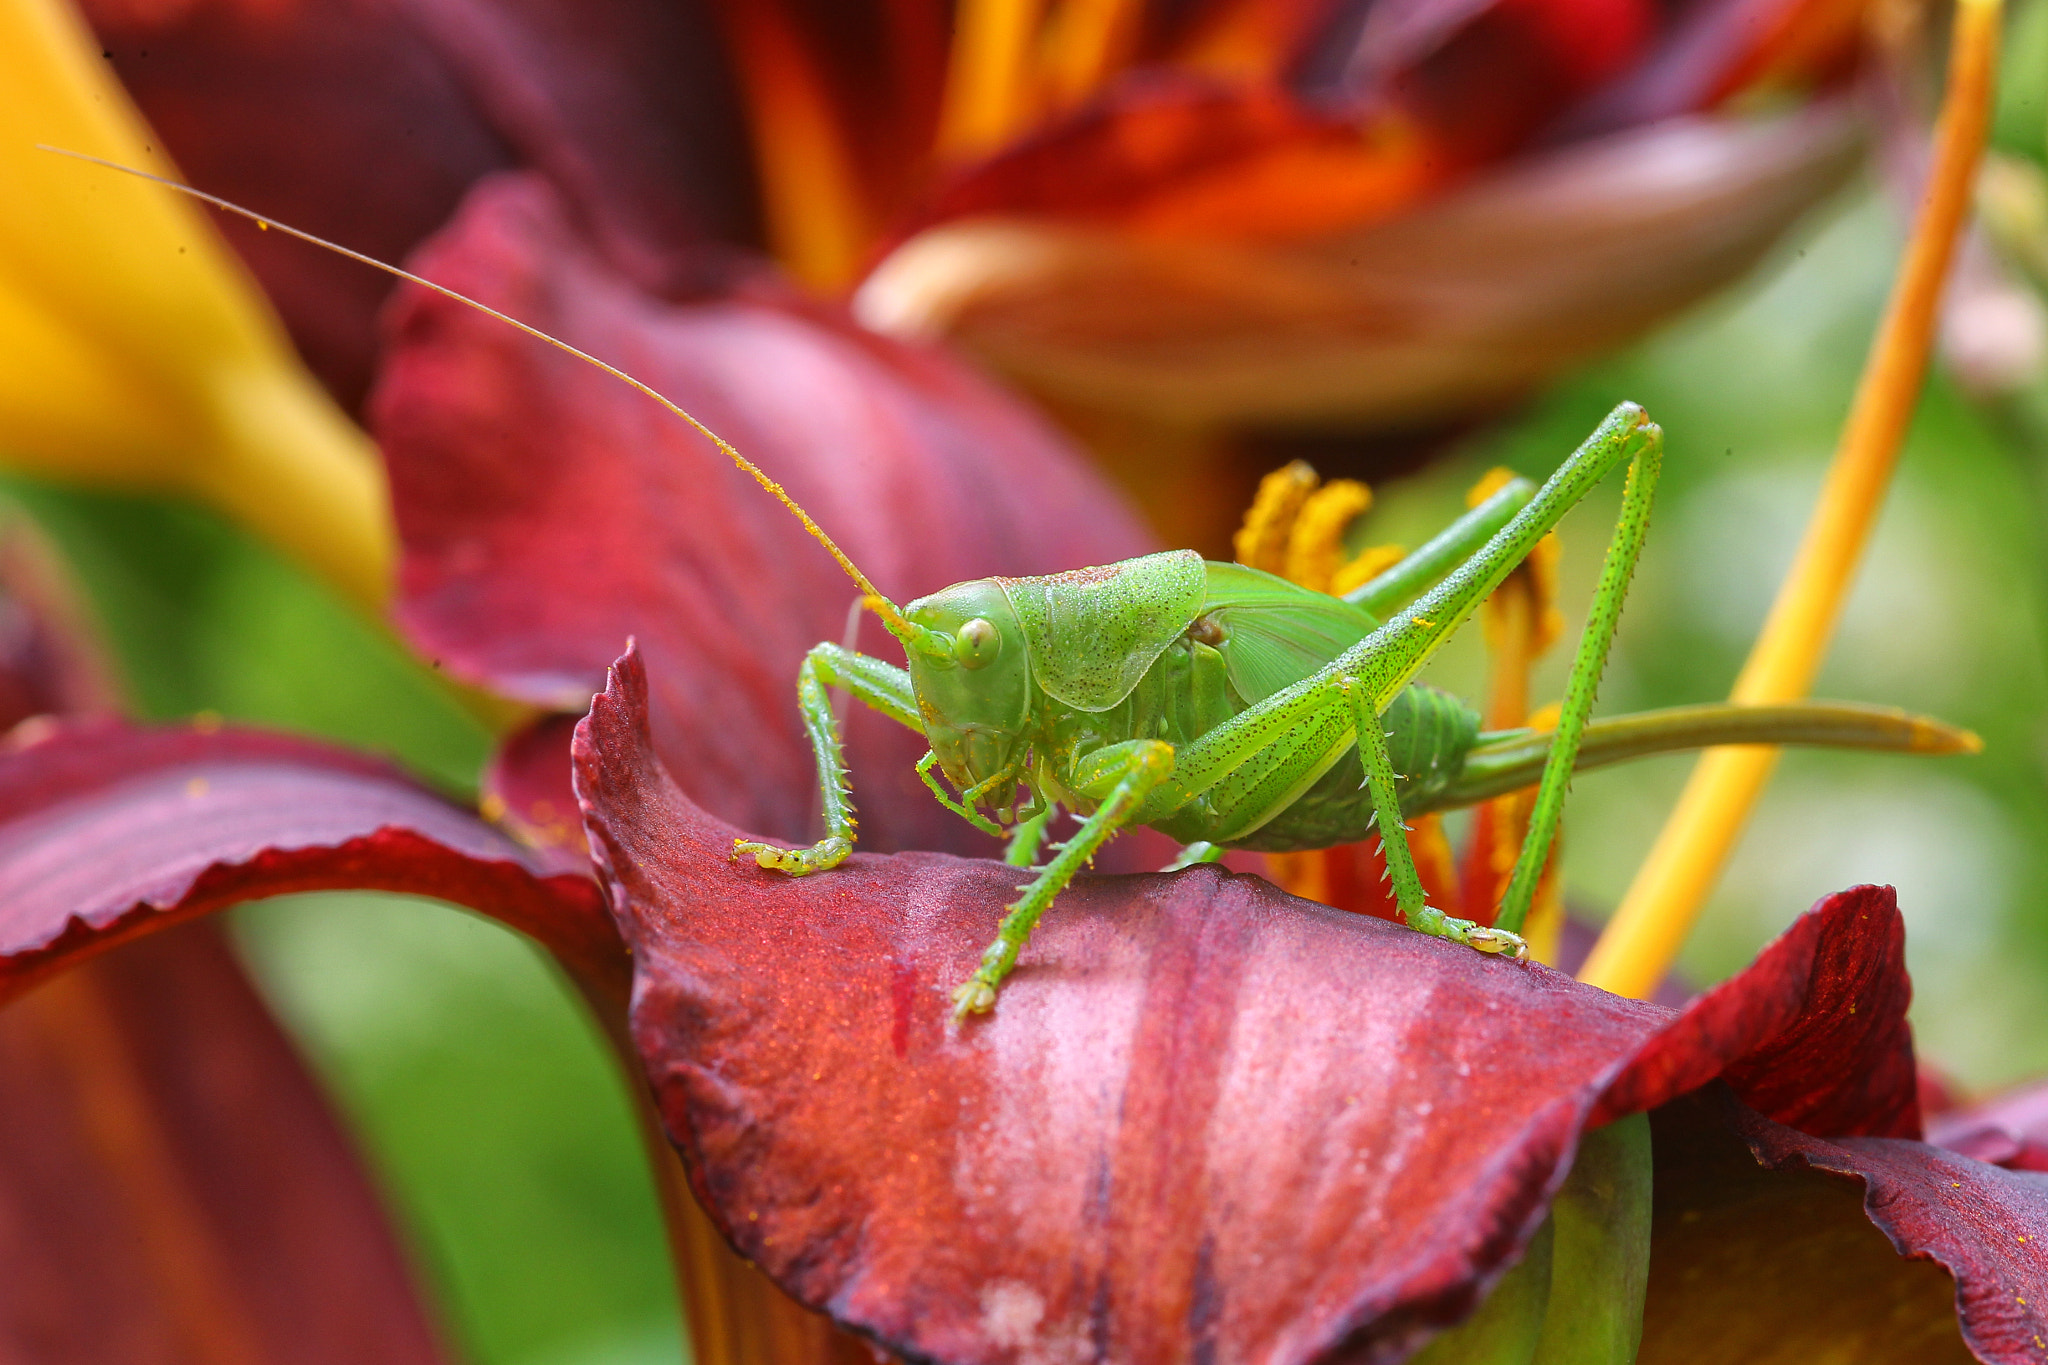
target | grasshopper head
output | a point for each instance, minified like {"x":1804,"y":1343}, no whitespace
{"x":973,"y":680}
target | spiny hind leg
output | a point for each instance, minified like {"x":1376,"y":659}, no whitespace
{"x":871,"y":682}
{"x":1623,"y":550}
{"x":1408,"y":893}
{"x":1123,"y":775}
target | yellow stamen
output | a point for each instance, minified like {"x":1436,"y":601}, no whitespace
{"x":1261,"y":542}
{"x":818,"y":222}
{"x":1651,"y":925}
{"x":1085,"y":40}
{"x":1315,"y":543}
{"x":988,"y":79}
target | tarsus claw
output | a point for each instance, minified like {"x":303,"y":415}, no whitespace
{"x":1511,"y":946}
{"x":975,"y":996}
{"x":1500,"y":942}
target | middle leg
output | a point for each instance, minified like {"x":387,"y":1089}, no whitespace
{"x":1124,"y":774}
{"x":1408,"y":893}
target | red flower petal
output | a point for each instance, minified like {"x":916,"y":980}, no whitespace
{"x":1375,"y":116}
{"x":549,"y":512}
{"x":1988,"y":1227}
{"x":1203,"y":1117}
{"x":52,"y":658}
{"x":527,"y":791}
{"x":2008,"y":1130}
{"x":1812,"y":1033}
{"x":108,"y":831}
{"x":173,"y":1185}
{"x":366,"y":122}
{"x":1750,"y":1266}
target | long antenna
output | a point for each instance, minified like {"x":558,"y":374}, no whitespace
{"x":892,"y":618}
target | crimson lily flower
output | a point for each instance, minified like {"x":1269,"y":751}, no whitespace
{"x":1209,"y":1121}
{"x":1290,"y":1134}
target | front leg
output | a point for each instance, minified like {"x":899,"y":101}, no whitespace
{"x":869,"y":681}
{"x":1122,"y":775}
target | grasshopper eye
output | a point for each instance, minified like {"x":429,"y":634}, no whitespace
{"x":978,"y":643}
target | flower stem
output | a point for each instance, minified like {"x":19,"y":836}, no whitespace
{"x":1665,"y":899}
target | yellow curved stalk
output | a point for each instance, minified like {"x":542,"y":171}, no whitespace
{"x":137,"y":352}
{"x":1665,"y":899}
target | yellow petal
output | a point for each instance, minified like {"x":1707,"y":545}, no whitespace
{"x":138,"y":353}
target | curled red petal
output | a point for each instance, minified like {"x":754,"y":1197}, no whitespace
{"x":1750,"y":1264}
{"x":1419,"y":319}
{"x":1204,"y":1117}
{"x":1812,"y":1033}
{"x":53,"y":658}
{"x":549,"y":512}
{"x":173,"y":1184}
{"x":108,"y":831}
{"x":1986,"y":1226}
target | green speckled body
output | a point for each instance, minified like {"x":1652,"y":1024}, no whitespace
{"x":1218,"y":704}
{"x":1202,"y":677}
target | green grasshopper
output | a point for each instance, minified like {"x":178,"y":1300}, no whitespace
{"x":1231,"y":708}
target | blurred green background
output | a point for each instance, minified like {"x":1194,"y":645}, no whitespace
{"x":497,"y":1120}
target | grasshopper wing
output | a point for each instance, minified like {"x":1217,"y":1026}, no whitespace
{"x":1275,"y":633}
{"x":1092,"y":633}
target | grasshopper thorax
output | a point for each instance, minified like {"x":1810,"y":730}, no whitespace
{"x":972,"y":673}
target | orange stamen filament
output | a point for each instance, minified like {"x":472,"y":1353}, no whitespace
{"x":1085,"y":40}
{"x":988,"y":79}
{"x":817,"y":220}
{"x":1658,"y":912}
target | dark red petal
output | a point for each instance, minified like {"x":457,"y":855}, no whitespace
{"x":1988,"y":1227}
{"x":1204,"y":1117}
{"x":1813,"y":1033}
{"x":1450,"y":308}
{"x":549,"y":512}
{"x":52,"y":656}
{"x":1383,"y":112}
{"x":2008,"y":1130}
{"x":366,"y":120}
{"x":174,"y":1187}
{"x":527,"y":792}
{"x":109,"y":831}
{"x":1750,"y":1266}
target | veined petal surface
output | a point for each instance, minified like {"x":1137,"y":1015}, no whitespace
{"x":1205,"y":1121}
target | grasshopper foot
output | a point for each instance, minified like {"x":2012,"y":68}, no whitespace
{"x":1477,"y":936}
{"x":976,"y":995}
{"x":797,"y":862}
